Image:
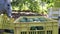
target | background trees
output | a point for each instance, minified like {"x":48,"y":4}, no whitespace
{"x":32,"y":5}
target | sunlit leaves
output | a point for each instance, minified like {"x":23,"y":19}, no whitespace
{"x":33,"y":5}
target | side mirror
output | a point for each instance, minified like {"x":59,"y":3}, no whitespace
{"x":58,"y":17}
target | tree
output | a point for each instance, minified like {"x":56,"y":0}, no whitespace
{"x":32,"y":5}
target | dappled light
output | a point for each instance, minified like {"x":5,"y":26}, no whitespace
{"x":33,"y":5}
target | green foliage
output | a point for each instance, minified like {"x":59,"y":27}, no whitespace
{"x":33,"y":5}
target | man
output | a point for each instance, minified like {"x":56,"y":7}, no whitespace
{"x":5,"y":7}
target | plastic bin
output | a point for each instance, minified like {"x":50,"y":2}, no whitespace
{"x":42,"y":26}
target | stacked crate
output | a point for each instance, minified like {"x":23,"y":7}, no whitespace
{"x":48,"y":26}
